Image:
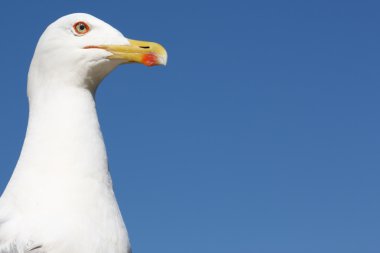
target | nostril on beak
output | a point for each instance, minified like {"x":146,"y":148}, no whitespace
{"x":144,"y":47}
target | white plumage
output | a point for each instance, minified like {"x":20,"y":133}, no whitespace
{"x":60,"y":197}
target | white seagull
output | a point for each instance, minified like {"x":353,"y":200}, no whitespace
{"x":60,"y":197}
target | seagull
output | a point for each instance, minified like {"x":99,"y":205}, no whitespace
{"x":60,"y":197}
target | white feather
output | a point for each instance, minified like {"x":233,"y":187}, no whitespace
{"x":60,"y":197}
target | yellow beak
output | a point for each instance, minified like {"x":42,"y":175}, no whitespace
{"x":147,"y":53}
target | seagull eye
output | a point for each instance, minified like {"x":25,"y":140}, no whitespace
{"x":81,"y":28}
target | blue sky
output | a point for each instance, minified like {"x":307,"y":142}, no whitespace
{"x":261,"y":135}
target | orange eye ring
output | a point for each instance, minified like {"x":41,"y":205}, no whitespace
{"x":81,"y":28}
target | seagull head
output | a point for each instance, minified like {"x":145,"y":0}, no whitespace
{"x":80,"y":50}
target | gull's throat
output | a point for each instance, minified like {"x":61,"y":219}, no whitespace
{"x":63,"y":131}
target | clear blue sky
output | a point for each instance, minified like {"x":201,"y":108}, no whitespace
{"x":261,"y":135}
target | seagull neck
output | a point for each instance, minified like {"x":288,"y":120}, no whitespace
{"x":63,"y":132}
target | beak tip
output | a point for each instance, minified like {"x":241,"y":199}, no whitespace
{"x":162,"y":57}
{"x":164,"y":60}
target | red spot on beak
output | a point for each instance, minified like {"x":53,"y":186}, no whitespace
{"x":149,"y":60}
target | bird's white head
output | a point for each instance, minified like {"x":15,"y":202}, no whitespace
{"x":80,"y":50}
